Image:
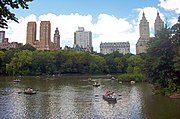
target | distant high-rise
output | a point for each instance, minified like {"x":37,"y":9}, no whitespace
{"x":158,"y":25}
{"x":83,"y":38}
{"x":144,"y":28}
{"x":45,"y":35}
{"x":57,"y":39}
{"x":31,"y":33}
{"x":141,"y":45}
{"x":2,"y":36}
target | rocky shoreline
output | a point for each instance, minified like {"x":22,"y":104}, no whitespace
{"x":175,"y":95}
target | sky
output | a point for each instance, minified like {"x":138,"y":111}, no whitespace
{"x":108,"y":20}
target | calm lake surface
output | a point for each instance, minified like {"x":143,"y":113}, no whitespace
{"x":74,"y":97}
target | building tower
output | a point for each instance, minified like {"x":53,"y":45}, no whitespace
{"x":2,"y":36}
{"x":57,"y":39}
{"x":83,"y":38}
{"x":45,"y":35}
{"x":31,"y":33}
{"x":158,"y":25}
{"x":141,"y":45}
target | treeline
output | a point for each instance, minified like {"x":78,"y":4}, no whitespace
{"x":29,"y":61}
{"x":162,"y":60}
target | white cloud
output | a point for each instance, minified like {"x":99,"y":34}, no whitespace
{"x":170,"y":5}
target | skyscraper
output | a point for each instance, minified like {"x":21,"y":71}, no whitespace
{"x":57,"y":39}
{"x":158,"y":25}
{"x":144,"y":28}
{"x":2,"y":36}
{"x":141,"y":45}
{"x":45,"y":35}
{"x":83,"y":38}
{"x":31,"y":33}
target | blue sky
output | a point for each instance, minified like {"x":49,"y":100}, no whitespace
{"x":109,"y":21}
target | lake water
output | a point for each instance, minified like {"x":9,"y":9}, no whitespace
{"x":74,"y":97}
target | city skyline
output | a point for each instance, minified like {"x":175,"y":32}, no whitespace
{"x":115,"y":21}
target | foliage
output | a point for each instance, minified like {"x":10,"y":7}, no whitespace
{"x":116,"y":62}
{"x":6,"y":14}
{"x":27,"y":61}
{"x":19,"y":63}
{"x":1,"y":63}
{"x":162,"y":59}
{"x":131,"y":77}
{"x":27,"y":47}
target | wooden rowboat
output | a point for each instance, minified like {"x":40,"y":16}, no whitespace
{"x":96,"y":85}
{"x":30,"y":92}
{"x":16,"y":80}
{"x":109,"y":99}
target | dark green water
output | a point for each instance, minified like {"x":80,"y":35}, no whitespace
{"x":74,"y":97}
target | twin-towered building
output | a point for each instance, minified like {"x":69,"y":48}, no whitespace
{"x":45,"y":36}
{"x":141,"y":45}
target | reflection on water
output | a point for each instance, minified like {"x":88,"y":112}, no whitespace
{"x":76,"y":98}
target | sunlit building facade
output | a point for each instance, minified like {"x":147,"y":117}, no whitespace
{"x":45,"y":36}
{"x":121,"y":47}
{"x":158,"y":25}
{"x":83,"y":39}
{"x":141,"y":45}
{"x":2,"y":36}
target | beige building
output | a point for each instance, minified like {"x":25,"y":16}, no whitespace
{"x":57,"y":39}
{"x":141,"y":45}
{"x":2,"y":36}
{"x":83,"y":39}
{"x":45,"y":36}
{"x":31,"y":33}
{"x":158,"y":25}
{"x":7,"y":45}
{"x":121,"y":47}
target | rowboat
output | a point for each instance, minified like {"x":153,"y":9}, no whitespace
{"x":96,"y":85}
{"x":29,"y":92}
{"x":16,"y":80}
{"x":109,"y":98}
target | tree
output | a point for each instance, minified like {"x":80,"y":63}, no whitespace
{"x":1,"y":63}
{"x":20,"y":63}
{"x":175,"y":39}
{"x":27,"y":47}
{"x":163,"y":57}
{"x":98,"y":64}
{"x":6,"y":14}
